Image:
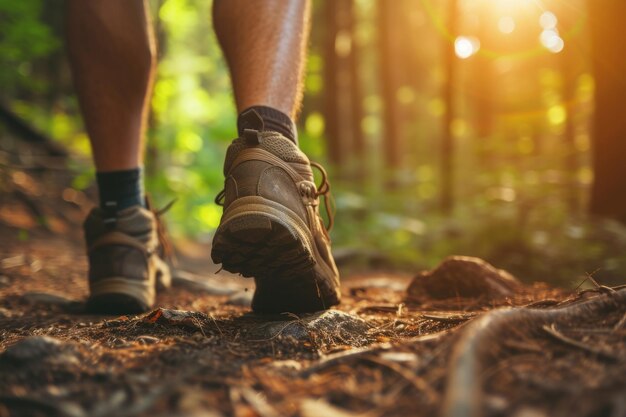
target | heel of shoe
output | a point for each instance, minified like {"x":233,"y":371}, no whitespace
{"x":256,"y":245}
{"x":119,"y":295}
{"x":258,"y":237}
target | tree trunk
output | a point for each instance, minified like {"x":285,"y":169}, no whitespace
{"x":447,"y":141}
{"x":570,"y":70}
{"x":356,"y":95}
{"x":484,"y":78}
{"x":389,"y":75}
{"x":608,"y":194}
{"x":331,"y":95}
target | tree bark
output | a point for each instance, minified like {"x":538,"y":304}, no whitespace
{"x":570,"y":72}
{"x":608,"y":193}
{"x":389,"y":75}
{"x":356,"y":94}
{"x":446,"y":201}
{"x":331,"y":96}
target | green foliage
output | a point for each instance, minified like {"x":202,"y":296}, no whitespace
{"x":23,"y":38}
{"x":513,"y":187}
{"x":193,"y":117}
{"x":537,"y":237}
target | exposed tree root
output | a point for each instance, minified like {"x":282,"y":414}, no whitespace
{"x":481,"y":342}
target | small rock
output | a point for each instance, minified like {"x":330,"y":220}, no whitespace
{"x":326,"y":327}
{"x":38,"y":349}
{"x":465,"y":277}
{"x":32,"y":348}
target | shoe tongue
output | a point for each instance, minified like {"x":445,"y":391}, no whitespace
{"x":137,"y":222}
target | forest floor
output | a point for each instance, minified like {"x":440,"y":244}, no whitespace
{"x":464,"y":339}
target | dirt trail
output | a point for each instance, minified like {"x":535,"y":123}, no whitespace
{"x":434,"y":350}
{"x":203,"y":354}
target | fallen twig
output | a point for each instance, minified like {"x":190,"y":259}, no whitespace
{"x":449,"y":318}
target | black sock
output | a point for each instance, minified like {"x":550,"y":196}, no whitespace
{"x":122,"y":189}
{"x":273,"y":119}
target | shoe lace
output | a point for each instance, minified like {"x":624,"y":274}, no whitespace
{"x":219,"y":198}
{"x":167,"y":249}
{"x":322,"y":191}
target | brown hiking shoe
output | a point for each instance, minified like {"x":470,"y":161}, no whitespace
{"x":124,"y":260}
{"x":271,"y":229}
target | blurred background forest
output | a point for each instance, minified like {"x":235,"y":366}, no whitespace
{"x":448,"y":126}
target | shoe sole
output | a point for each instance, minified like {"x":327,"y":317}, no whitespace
{"x":259,"y":238}
{"x":119,"y":295}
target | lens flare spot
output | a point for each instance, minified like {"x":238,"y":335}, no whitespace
{"x":557,"y":114}
{"x":548,"y":20}
{"x":466,"y":46}
{"x":551,"y":40}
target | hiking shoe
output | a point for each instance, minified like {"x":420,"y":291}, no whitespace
{"x":271,"y":228}
{"x":125,"y":262}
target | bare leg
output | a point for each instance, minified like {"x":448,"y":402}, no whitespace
{"x":112,"y":54}
{"x":264,"y":43}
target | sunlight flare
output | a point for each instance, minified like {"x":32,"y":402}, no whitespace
{"x":466,"y":46}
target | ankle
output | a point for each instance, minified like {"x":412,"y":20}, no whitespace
{"x":267,"y":118}
{"x":121,"y":189}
